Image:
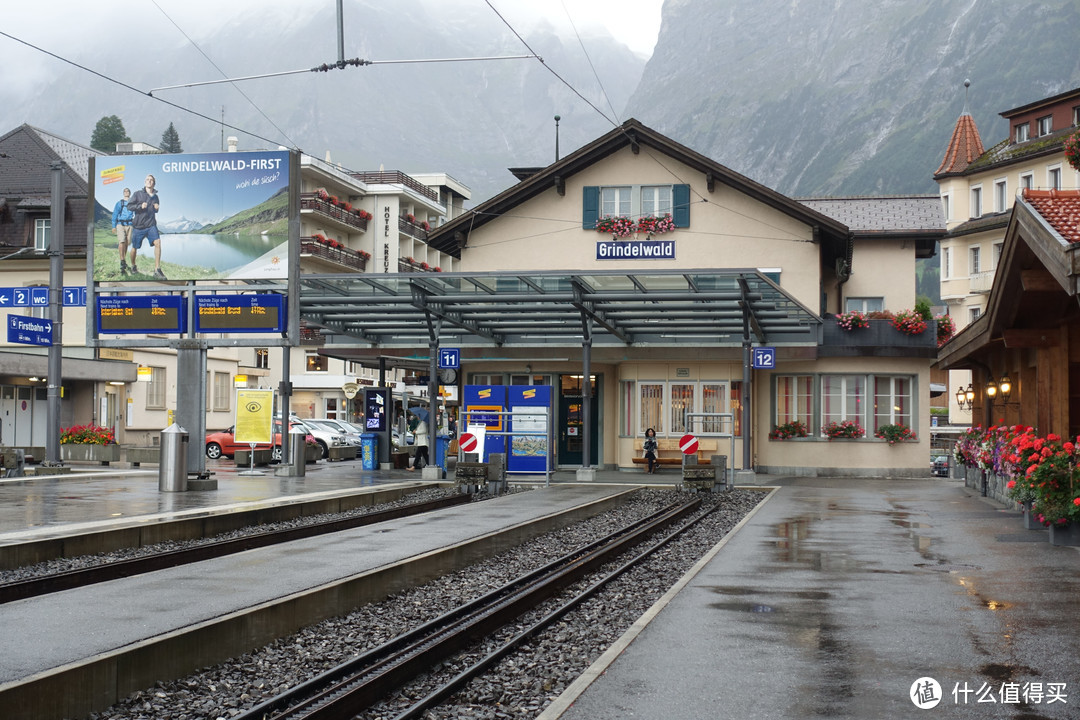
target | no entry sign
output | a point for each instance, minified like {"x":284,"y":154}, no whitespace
{"x":688,"y":444}
{"x":468,"y":442}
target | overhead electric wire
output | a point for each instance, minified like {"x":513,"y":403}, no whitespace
{"x":209,"y":60}
{"x":591,"y":66}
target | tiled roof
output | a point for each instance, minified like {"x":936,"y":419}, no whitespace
{"x":908,"y":213}
{"x":964,"y":147}
{"x":1060,"y":208}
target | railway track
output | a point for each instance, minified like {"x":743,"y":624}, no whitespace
{"x":34,"y":587}
{"x":354,"y":686}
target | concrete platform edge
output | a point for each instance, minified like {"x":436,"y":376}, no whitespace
{"x":562,"y":703}
{"x":77,"y":689}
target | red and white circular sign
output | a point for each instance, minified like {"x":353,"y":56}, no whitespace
{"x":688,"y":444}
{"x":467,"y":442}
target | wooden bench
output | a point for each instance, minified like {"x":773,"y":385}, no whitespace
{"x":668,"y":452}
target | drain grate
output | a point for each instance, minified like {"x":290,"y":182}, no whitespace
{"x":948,"y":567}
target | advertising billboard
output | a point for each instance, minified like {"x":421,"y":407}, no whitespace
{"x":207,"y":216}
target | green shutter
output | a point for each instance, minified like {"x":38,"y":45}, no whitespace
{"x":680,"y":197}
{"x":590,"y":206}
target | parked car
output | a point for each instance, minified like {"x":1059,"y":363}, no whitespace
{"x":328,"y":434}
{"x":939,"y":466}
{"x":224,"y":443}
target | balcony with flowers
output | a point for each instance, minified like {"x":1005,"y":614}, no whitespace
{"x":409,"y":225}
{"x":338,"y":213}
{"x":412,"y":265}
{"x":907,"y":333}
{"x":332,"y":253}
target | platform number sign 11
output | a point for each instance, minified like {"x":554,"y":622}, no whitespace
{"x":764,"y":358}
{"x":449,"y":358}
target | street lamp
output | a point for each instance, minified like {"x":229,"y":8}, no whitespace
{"x":965,"y":398}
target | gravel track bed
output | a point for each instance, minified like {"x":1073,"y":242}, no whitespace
{"x":520,"y":686}
{"x":59,"y":565}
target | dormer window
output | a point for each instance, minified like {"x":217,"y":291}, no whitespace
{"x":1046,"y":125}
{"x":1022,"y":132}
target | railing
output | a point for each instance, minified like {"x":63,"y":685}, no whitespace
{"x":310,"y":201}
{"x":981,"y":282}
{"x":412,"y":229}
{"x":341,"y":256}
{"x":396,"y":178}
{"x":404,"y":265}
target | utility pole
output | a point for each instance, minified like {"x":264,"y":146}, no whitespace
{"x":56,"y":300}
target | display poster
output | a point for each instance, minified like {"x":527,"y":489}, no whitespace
{"x":376,"y":404}
{"x":482,"y":405}
{"x":529,"y":425}
{"x":206,"y":216}
{"x":254,"y":416}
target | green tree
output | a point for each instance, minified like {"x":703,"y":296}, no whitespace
{"x":170,"y":140}
{"x":108,"y":131}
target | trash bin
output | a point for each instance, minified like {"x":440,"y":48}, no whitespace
{"x":172,"y":467}
{"x":442,"y":444}
{"x":369,"y":451}
{"x":297,"y":451}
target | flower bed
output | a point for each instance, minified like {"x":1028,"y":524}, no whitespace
{"x":87,"y":435}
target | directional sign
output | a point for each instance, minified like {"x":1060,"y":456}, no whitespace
{"x":39,"y":296}
{"x":449,"y":358}
{"x":263,"y":312}
{"x":7,"y":297}
{"x":764,"y":358}
{"x":467,"y":442}
{"x":688,"y":444}
{"x":29,"y":330}
{"x":21,"y":297}
{"x":74,"y":296}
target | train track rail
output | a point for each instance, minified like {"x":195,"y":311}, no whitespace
{"x":357,"y":684}
{"x":34,"y":587}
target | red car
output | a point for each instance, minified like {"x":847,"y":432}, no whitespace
{"x":223,"y":443}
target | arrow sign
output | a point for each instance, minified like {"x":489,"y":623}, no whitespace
{"x":688,"y":444}
{"x":467,"y":442}
{"x":29,"y":330}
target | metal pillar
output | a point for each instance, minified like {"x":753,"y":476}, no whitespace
{"x":285,"y":393}
{"x":586,"y":392}
{"x":191,"y":401}
{"x":747,"y":361}
{"x":56,"y":289}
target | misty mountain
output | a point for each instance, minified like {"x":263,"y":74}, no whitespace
{"x":180,"y":225}
{"x":849,"y":97}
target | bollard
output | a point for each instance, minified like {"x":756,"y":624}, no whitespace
{"x":297,"y":452}
{"x":172,"y":469}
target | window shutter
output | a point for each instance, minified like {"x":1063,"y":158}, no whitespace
{"x":680,"y":201}
{"x":590,"y":206}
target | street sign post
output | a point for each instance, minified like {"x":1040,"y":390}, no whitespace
{"x":29,"y":330}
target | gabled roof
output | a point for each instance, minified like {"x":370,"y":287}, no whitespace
{"x":30,"y":152}
{"x":1060,"y":208}
{"x":450,"y":238}
{"x":910,"y":217}
{"x":965,"y":147}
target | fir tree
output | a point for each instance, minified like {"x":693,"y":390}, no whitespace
{"x":108,"y":131}
{"x":170,"y":140}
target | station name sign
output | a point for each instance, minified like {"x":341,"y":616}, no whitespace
{"x":635,"y":250}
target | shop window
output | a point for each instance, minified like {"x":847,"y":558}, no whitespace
{"x":682,"y":402}
{"x":651,"y":407}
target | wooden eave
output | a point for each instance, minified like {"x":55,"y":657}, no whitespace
{"x":449,"y":238}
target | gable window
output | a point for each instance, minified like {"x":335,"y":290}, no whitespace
{"x":973,"y":265}
{"x":976,"y":202}
{"x":864,"y":304}
{"x":634,"y":201}
{"x":1045,"y":125}
{"x":42,"y":233}
{"x":1023,"y":131}
{"x":615,"y":201}
{"x":1001,"y":195}
{"x":656,"y":200}
{"x":1053,"y":177}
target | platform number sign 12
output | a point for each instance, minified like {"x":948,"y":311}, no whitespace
{"x":764,"y":358}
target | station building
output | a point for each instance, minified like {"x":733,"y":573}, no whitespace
{"x":658,"y":273}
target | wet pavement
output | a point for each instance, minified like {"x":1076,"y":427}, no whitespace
{"x":838,"y":595}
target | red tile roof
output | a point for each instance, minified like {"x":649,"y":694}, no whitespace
{"x":1060,"y":208}
{"x":964,"y":147}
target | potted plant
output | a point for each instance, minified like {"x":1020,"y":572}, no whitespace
{"x":90,"y":443}
{"x":615,"y":225}
{"x":852,"y":320}
{"x":895,"y":433}
{"x":1055,"y":478}
{"x":845,"y":429}
{"x":795,"y":428}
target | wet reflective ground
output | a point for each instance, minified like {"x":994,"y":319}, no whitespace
{"x":840,"y":594}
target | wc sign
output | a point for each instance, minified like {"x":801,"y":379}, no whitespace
{"x":764,"y":358}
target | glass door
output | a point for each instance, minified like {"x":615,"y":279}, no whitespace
{"x":571,"y":428}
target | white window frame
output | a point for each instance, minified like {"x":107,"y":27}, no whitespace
{"x":262,"y":358}
{"x":223,"y":391}
{"x":156,"y":395}
{"x":899,"y":403}
{"x":42,"y":233}
{"x":849,"y":384}
{"x":1044,"y":125}
{"x":1053,"y":177}
{"x":946,"y":206}
{"x":976,"y":201}
{"x":1001,"y":195}
{"x":801,"y":406}
{"x":998,"y":247}
{"x":616,"y":201}
{"x":974,"y":313}
{"x":974,"y":258}
{"x":1027,"y":181}
{"x":315,"y":363}
{"x":864,"y":304}
{"x":946,"y":263}
{"x":672,"y":423}
{"x":1023,"y":132}
{"x":654,"y":202}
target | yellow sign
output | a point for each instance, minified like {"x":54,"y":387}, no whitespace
{"x":240,"y":381}
{"x":254,"y":416}
{"x":107,"y":353}
{"x":144,"y":374}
